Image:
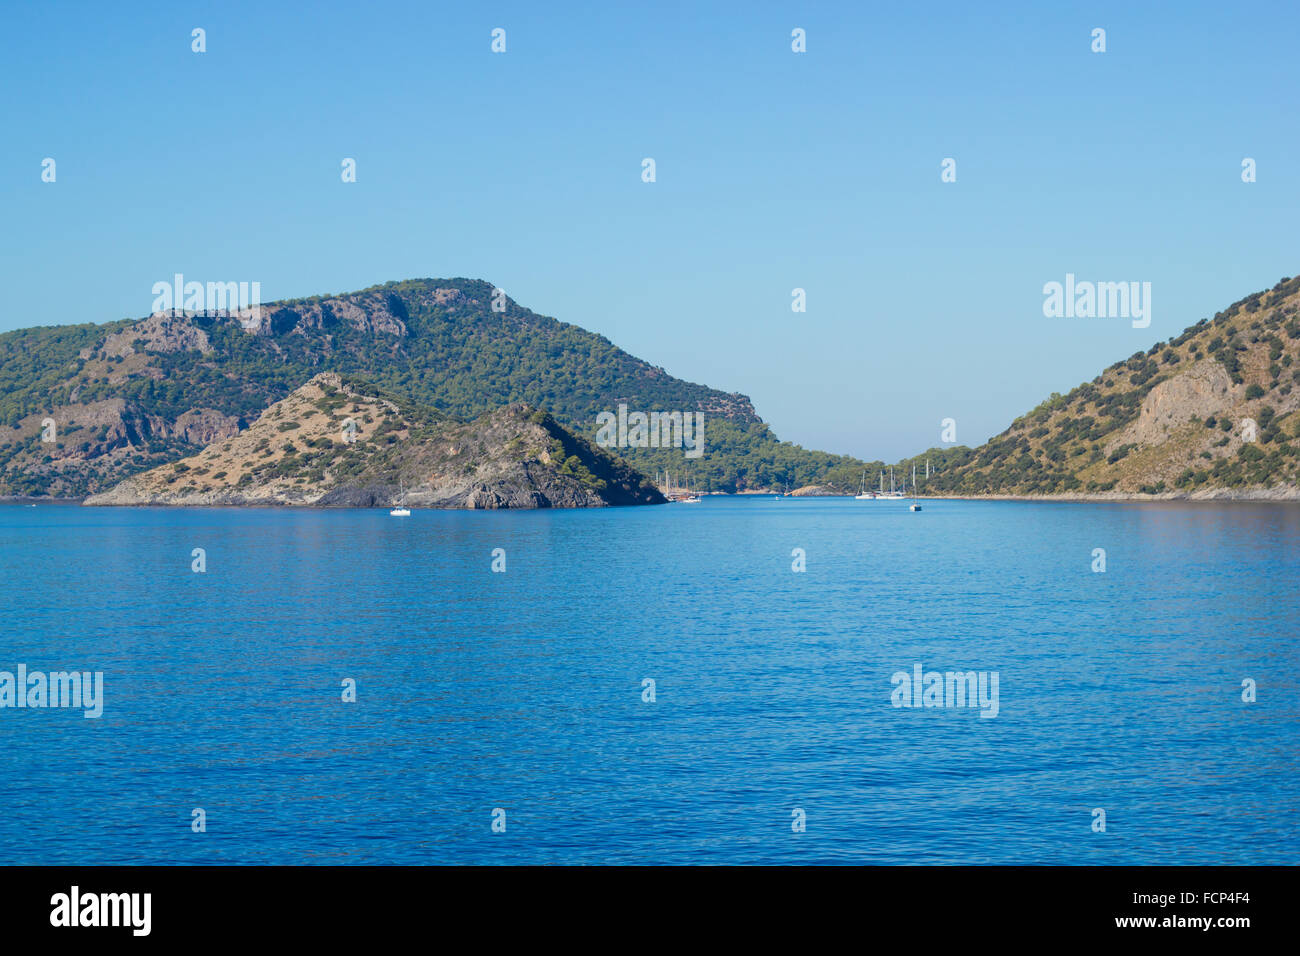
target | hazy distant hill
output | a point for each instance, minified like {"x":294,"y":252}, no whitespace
{"x":132,"y":394}
{"x":1175,"y":419}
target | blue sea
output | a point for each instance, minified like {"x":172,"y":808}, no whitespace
{"x":769,"y":735}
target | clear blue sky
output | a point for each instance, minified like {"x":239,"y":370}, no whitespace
{"x":775,"y":170}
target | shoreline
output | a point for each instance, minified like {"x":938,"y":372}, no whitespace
{"x":28,"y":500}
{"x":1287,"y":497}
{"x":1217,"y":496}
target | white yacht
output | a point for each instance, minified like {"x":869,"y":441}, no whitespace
{"x":399,"y":511}
{"x":863,"y":494}
{"x":890,"y":495}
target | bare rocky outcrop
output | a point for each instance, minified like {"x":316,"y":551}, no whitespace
{"x":815,"y":491}
{"x":160,"y":332}
{"x":370,"y":313}
{"x":448,"y":297}
{"x":336,"y":442}
{"x":73,"y":449}
{"x":1201,"y":391}
{"x":200,"y":426}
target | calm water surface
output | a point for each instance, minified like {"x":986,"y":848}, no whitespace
{"x":523,"y":690}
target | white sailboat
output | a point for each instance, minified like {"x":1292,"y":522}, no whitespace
{"x":914,"y":506}
{"x":863,"y":494}
{"x":399,"y":511}
{"x":681,"y":496}
{"x":892,"y":495}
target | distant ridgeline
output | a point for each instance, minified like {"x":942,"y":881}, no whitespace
{"x":85,"y":406}
{"x":1216,"y":407}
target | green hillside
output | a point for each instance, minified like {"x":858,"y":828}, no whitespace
{"x":1176,"y":419}
{"x":127,"y":396}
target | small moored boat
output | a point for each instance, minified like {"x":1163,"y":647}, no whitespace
{"x":400,"y":511}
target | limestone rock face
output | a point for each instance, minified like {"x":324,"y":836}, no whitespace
{"x":161,"y":332}
{"x":814,"y":491}
{"x":1203,"y":390}
{"x":369,"y":313}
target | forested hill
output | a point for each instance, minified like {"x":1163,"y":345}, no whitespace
{"x":1214,"y":411}
{"x":129,"y":395}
